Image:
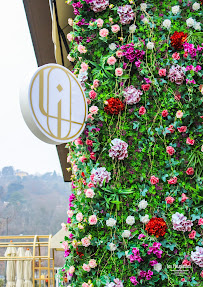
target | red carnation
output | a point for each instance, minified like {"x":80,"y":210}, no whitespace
{"x":178,"y":39}
{"x":156,"y":226}
{"x":190,"y":171}
{"x":114,"y":106}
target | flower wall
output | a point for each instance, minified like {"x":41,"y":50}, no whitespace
{"x":136,"y":212}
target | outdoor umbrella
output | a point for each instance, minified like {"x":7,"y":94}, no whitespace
{"x":19,"y":268}
{"x":28,"y":269}
{"x":10,"y":268}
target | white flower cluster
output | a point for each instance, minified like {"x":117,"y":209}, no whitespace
{"x":111,"y":222}
{"x":126,"y":234}
{"x":192,"y":23}
{"x":144,"y":219}
{"x":175,"y":9}
{"x":150,"y":45}
{"x":130,"y":220}
{"x":196,"y":6}
{"x":142,"y":204}
{"x":167,"y":24}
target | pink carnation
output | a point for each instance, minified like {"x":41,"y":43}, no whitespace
{"x":176,"y":56}
{"x":79,"y":217}
{"x":115,"y":28}
{"x":65,"y":245}
{"x":83,"y":158}
{"x":184,"y":197}
{"x":119,"y":72}
{"x":86,"y":267}
{"x":78,"y":141}
{"x":93,"y":110}
{"x":186,"y":262}
{"x":154,"y":180}
{"x":84,"y":67}
{"x":179,"y":114}
{"x":85,"y":241}
{"x":182,"y":129}
{"x":119,"y":53}
{"x":89,"y":193}
{"x":70,"y":213}
{"x":142,"y":110}
{"x":70,"y":37}
{"x":104,"y":32}
{"x":173,"y":180}
{"x":171,"y":129}
{"x":190,"y":141}
{"x":92,"y":220}
{"x":82,"y":49}
{"x":90,"y":184}
{"x":162,"y":72}
{"x":118,"y":149}
{"x":200,"y":221}
{"x":190,"y":171}
{"x":92,"y":94}
{"x":192,"y":234}
{"x":99,"y":22}
{"x":170,"y":150}
{"x":169,"y":200}
{"x":96,"y":83}
{"x":164,"y":113}
{"x":92,"y":263}
{"x":111,"y":60}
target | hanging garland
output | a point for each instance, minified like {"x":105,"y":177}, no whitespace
{"x":135,"y":216}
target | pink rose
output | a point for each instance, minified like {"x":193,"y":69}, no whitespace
{"x":84,"y":67}
{"x":92,"y":220}
{"x":170,"y":150}
{"x":146,"y":87}
{"x":85,"y":285}
{"x":200,"y":221}
{"x":142,"y":110}
{"x":182,"y":129}
{"x":104,"y":32}
{"x":154,"y":180}
{"x":71,"y":59}
{"x":184,"y":197}
{"x":96,"y":83}
{"x":162,"y":72}
{"x":89,"y":193}
{"x":92,"y":94}
{"x":70,"y":213}
{"x":190,"y":171}
{"x":164,"y":113}
{"x":190,"y":141}
{"x":115,"y":28}
{"x":68,"y":158}
{"x":173,"y":180}
{"x":85,"y":242}
{"x":79,"y":216}
{"x":179,"y":114}
{"x":83,"y":158}
{"x":119,"y":53}
{"x":119,"y":72}
{"x":78,"y":141}
{"x":86,"y":267}
{"x":92,"y":263}
{"x":82,"y":49}
{"x":100,"y":23}
{"x":71,"y":270}
{"x":65,"y":245}
{"x":169,"y":200}
{"x":176,"y":56}
{"x":186,"y":262}
{"x":111,"y":60}
{"x":90,"y":184}
{"x":192,"y":234}
{"x":70,"y":37}
{"x":93,"y":110}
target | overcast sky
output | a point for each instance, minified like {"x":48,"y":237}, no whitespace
{"x":18,"y":146}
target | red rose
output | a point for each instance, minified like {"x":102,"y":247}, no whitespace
{"x":170,"y":150}
{"x":164,"y":113}
{"x":190,"y":171}
{"x":142,"y":110}
{"x":114,"y":106}
{"x":173,"y":180}
{"x":182,"y":129}
{"x":154,"y":180}
{"x":156,"y":226}
{"x":146,"y":87}
{"x":178,"y":39}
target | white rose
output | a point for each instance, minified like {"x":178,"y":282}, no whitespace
{"x":190,"y":22}
{"x":144,"y":219}
{"x":145,"y":20}
{"x":112,"y":46}
{"x":130,"y":220}
{"x":111,"y":222}
{"x":132,"y":28}
{"x":112,"y":246}
{"x":167,"y":23}
{"x":143,"y":6}
{"x":197,"y":26}
{"x":158,"y":267}
{"x":176,"y":9}
{"x":196,"y":6}
{"x":142,"y":204}
{"x":126,"y":234}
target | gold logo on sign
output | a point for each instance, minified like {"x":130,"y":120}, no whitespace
{"x":54,"y":110}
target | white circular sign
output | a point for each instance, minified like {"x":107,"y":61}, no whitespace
{"x":54,"y":105}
